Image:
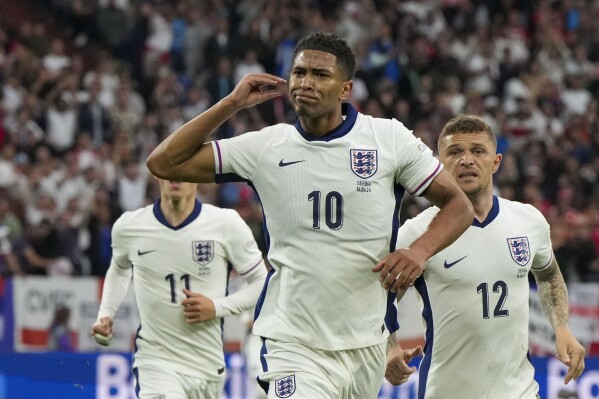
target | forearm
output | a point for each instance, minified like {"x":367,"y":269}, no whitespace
{"x":553,"y":295}
{"x":454,"y":217}
{"x":186,"y":140}
{"x":392,"y":342}
{"x":185,"y":143}
{"x":35,"y":260}
{"x":13,"y":264}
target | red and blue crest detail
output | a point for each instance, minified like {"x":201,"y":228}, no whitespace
{"x":203,"y":251}
{"x":364,"y":163}
{"x":519,"y":249}
{"x":285,"y":387}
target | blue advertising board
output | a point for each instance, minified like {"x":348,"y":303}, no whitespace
{"x":108,"y":376}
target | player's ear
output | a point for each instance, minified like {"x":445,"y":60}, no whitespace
{"x":497,"y":162}
{"x":346,"y":90}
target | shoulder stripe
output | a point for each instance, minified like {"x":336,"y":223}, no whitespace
{"x":546,"y":264}
{"x":432,"y":175}
{"x":220,"y":157}
{"x":251,"y":268}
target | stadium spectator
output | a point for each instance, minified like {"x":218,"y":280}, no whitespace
{"x":554,"y":42}
{"x":59,"y":334}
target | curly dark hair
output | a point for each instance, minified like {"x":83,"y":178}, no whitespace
{"x":465,"y":123}
{"x":333,"y":44}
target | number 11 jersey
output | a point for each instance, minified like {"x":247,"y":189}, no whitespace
{"x":195,"y":255}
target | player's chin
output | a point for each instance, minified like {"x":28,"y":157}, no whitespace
{"x":470,"y":189}
{"x":302,"y":109}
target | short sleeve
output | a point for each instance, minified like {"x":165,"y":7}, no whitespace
{"x":544,"y":254}
{"x":235,"y":159}
{"x":417,"y":166}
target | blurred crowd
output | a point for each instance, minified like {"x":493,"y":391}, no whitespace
{"x":89,"y":87}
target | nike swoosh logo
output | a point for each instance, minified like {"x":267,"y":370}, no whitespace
{"x":448,"y":265}
{"x":141,"y":253}
{"x":282,"y":164}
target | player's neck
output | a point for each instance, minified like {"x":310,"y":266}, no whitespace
{"x":321,"y":125}
{"x":176,"y":210}
{"x":482,"y":205}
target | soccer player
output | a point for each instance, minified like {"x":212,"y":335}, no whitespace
{"x":330,"y":186}
{"x":475,"y":292}
{"x":178,"y":252}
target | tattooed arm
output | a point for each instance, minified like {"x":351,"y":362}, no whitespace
{"x":554,"y":298}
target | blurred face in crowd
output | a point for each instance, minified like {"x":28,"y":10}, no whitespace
{"x":317,"y":85}
{"x":176,"y":190}
{"x":472,"y":160}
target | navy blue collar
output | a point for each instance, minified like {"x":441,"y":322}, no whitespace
{"x":350,"y":119}
{"x":491,"y":216}
{"x":192,"y":216}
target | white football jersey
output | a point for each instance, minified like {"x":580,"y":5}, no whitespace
{"x":165,"y":259}
{"x":331,"y":213}
{"x":475,"y":304}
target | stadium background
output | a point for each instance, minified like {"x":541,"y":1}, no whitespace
{"x":89,"y":87}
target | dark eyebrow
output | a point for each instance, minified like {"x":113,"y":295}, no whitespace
{"x":314,"y":70}
{"x":321,"y":70}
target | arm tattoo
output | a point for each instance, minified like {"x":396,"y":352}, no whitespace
{"x":392,"y":342}
{"x":553,"y":294}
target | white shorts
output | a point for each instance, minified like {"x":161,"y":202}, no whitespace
{"x":292,"y":370}
{"x":160,"y":383}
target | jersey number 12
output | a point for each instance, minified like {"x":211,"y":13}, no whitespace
{"x":499,"y":287}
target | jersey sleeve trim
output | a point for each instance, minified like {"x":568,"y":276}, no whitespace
{"x":426,"y":181}
{"x":544,"y":266}
{"x":121,"y":267}
{"x":218,"y":158}
{"x":230,"y":178}
{"x":251,"y":268}
{"x":219,"y":176}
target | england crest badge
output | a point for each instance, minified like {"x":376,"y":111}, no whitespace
{"x":364,"y":163}
{"x":285,"y":387}
{"x":203,"y":251}
{"x":519,"y":249}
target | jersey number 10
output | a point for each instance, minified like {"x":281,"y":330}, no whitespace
{"x":333,"y":206}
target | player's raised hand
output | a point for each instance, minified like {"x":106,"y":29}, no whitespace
{"x":256,"y":88}
{"x":102,"y":331}
{"x":570,"y":352}
{"x":197,"y":307}
{"x":400,"y":269}
{"x":398,"y":371}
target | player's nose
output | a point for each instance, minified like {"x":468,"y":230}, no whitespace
{"x":466,"y":160}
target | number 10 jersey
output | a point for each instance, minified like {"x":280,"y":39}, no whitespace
{"x":331,"y":208}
